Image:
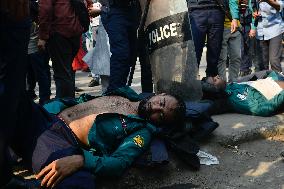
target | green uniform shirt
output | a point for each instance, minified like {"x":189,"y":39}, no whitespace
{"x":247,"y":100}
{"x":115,"y":140}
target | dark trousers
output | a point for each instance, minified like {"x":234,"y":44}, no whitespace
{"x":271,"y":53}
{"x":121,"y":26}
{"x":256,"y":54}
{"x":146,"y":71}
{"x":42,"y":138}
{"x":39,"y":71}
{"x":208,"y":24}
{"x":251,"y":52}
{"x":62,"y":51}
{"x":246,"y":62}
{"x":57,"y":141}
{"x":14,"y":39}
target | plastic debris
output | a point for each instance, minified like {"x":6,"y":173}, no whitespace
{"x":207,"y":159}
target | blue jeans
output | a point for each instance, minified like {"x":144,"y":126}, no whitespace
{"x":38,"y":65}
{"x":14,"y":37}
{"x":208,"y":23}
{"x":121,"y":26}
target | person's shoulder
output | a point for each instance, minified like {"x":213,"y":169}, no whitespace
{"x":125,"y":92}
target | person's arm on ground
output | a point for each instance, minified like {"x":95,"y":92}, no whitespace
{"x":114,"y":165}
{"x":59,"y":169}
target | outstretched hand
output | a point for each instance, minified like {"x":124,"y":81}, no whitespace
{"x":59,"y":169}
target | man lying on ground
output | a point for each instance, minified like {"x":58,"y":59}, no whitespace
{"x":259,"y":94}
{"x":98,"y":136}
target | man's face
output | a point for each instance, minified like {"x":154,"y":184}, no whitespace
{"x":217,"y":82}
{"x":158,"y":109}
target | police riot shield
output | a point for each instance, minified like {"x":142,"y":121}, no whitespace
{"x":171,"y":48}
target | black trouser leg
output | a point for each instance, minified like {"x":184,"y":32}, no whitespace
{"x":62,"y":52}
{"x":14,"y":39}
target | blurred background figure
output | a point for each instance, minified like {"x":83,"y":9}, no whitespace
{"x":231,"y":46}
{"x":207,"y":23}
{"x":121,"y":20}
{"x":268,"y":28}
{"x":60,"y":32}
{"x":14,"y":37}
{"x":99,"y":57}
{"x":38,"y":63}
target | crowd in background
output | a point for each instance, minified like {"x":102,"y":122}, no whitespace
{"x":249,"y":39}
{"x":239,"y":36}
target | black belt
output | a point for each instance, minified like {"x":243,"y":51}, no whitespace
{"x":202,"y":7}
{"x":123,"y":3}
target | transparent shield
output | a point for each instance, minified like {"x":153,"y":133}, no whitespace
{"x":171,"y":49}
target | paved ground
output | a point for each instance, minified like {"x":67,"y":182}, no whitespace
{"x":247,"y":148}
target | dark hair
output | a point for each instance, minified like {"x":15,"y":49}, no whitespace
{"x":179,"y":111}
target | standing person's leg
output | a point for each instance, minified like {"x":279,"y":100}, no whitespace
{"x":39,"y":61}
{"x":255,"y":54}
{"x":95,"y":80}
{"x":6,"y":172}
{"x":198,"y":21}
{"x":224,"y":54}
{"x":33,"y":120}
{"x":214,"y":40}
{"x":275,"y":52}
{"x":246,"y":50}
{"x":105,"y":82}
{"x":258,"y":55}
{"x":14,"y":37}
{"x":62,"y":54}
{"x":146,"y":71}
{"x":235,"y":55}
{"x":264,"y":46}
{"x":31,"y":78}
{"x":116,"y":25}
{"x":132,"y":38}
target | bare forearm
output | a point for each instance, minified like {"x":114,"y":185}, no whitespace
{"x":59,"y":169}
{"x":274,"y":4}
{"x":280,"y":83}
